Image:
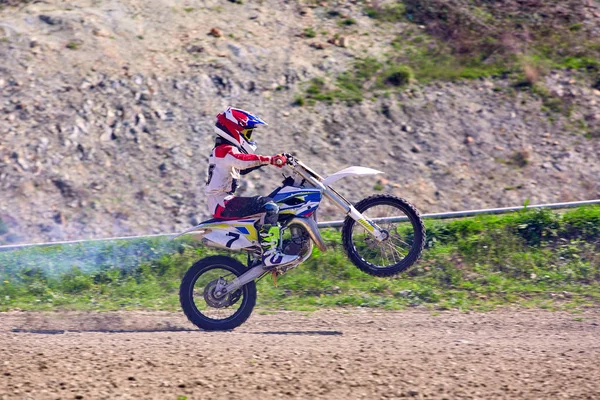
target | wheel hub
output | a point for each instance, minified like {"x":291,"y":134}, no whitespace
{"x":226,"y":300}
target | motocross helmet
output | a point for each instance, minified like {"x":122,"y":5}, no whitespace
{"x":236,"y":127}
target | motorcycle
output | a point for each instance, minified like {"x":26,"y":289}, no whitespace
{"x":382,"y":235}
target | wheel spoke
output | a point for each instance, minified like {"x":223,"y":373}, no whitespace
{"x":391,"y":251}
{"x":401,"y":242}
{"x":395,"y":250}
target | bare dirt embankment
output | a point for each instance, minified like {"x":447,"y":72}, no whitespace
{"x":329,"y":354}
{"x":107,"y":110}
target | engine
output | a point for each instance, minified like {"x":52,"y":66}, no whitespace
{"x":296,"y":243}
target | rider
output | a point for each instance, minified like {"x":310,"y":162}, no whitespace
{"x":232,"y":156}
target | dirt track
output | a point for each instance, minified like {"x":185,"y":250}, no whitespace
{"x":330,"y":354}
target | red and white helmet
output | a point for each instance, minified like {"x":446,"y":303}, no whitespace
{"x":236,"y":126}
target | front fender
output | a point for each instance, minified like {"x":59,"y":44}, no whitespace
{"x":350,"y":171}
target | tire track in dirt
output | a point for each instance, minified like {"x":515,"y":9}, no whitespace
{"x":327,"y":354}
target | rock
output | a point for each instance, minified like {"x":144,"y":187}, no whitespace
{"x":236,"y":50}
{"x":557,"y":92}
{"x":194,"y":49}
{"x":65,"y":188}
{"x":216,"y":32}
{"x":50,"y":20}
{"x":60,"y":218}
{"x":317,"y":45}
{"x":101,"y":33}
{"x":469,"y":140}
{"x":344,"y":42}
{"x":407,"y":128}
{"x":415,"y":148}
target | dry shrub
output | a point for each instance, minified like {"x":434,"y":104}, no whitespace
{"x":520,"y":158}
{"x":504,"y":27}
{"x":532,"y":74}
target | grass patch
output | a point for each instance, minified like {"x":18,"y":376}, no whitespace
{"x":3,"y":227}
{"x":74,"y":44}
{"x":398,"y":75}
{"x":530,"y":258}
{"x":395,"y":12}
{"x":309,"y":33}
{"x":366,"y":75}
{"x":299,"y":101}
{"x":347,"y":22}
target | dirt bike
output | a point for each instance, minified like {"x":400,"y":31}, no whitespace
{"x":382,"y":235}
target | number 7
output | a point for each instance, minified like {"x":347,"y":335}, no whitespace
{"x":235,"y":237}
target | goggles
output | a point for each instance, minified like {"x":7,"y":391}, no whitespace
{"x":247,"y":133}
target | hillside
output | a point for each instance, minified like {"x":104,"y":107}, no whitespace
{"x":107,"y":107}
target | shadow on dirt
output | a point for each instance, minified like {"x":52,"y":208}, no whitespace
{"x":167,"y":329}
{"x":61,"y":331}
{"x":323,"y":333}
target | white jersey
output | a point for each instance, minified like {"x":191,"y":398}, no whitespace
{"x":224,"y":165}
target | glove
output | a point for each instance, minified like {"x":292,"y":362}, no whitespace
{"x":279,"y":160}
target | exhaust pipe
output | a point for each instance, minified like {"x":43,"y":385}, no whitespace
{"x":313,"y":231}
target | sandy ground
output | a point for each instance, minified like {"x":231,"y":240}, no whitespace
{"x":329,"y":354}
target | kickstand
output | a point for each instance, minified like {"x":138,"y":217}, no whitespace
{"x":274,"y":274}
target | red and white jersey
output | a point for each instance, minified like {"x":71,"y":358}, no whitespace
{"x":224,"y":165}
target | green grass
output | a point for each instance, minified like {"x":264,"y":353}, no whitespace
{"x":394,"y":12}
{"x":366,"y":74}
{"x":347,"y":22}
{"x":74,"y":45}
{"x":3,"y":227}
{"x":310,"y":32}
{"x":530,"y":259}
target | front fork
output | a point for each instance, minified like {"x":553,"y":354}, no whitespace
{"x":378,"y":233}
{"x":371,"y":227}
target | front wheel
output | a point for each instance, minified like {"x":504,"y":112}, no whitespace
{"x":405,"y":237}
{"x":200,"y":303}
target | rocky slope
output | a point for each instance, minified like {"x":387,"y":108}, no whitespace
{"x":106,"y":112}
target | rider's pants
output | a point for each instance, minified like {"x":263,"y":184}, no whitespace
{"x":239,"y":207}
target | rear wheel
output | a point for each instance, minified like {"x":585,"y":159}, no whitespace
{"x":405,"y":237}
{"x":203,"y":307}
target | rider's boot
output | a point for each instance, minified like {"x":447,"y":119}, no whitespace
{"x":269,"y":238}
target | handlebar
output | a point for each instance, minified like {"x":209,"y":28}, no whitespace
{"x":291,"y":160}
{"x":299,"y":166}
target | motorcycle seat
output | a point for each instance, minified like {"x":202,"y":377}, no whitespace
{"x":222,"y":219}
